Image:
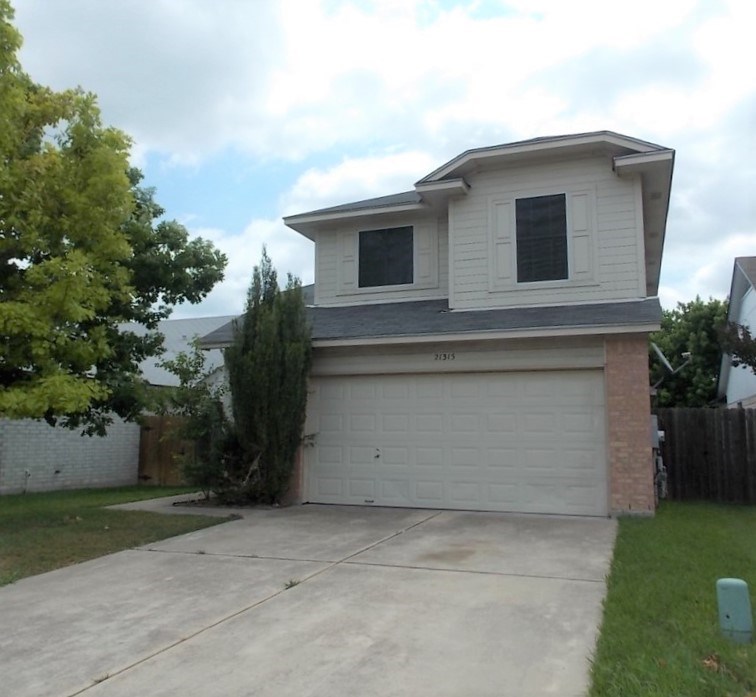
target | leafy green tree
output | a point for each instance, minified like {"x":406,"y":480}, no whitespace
{"x":740,"y":344}
{"x":268,"y":365}
{"x":693,"y":328}
{"x":80,"y":253}
{"x":165,"y":268}
{"x":199,"y":400}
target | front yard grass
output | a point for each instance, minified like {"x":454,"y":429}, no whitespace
{"x":45,"y":531}
{"x":660,"y":635}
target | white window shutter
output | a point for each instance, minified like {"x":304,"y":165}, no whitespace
{"x":348,"y":261}
{"x":502,"y":242}
{"x":426,"y":256}
{"x":581,"y":226}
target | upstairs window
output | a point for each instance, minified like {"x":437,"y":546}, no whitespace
{"x":386,"y":257}
{"x":541,"y":238}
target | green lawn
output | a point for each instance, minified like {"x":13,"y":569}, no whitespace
{"x":45,"y":531}
{"x":660,"y":634}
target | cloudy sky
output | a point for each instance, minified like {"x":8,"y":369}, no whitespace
{"x":243,"y":111}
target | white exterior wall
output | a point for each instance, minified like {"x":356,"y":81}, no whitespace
{"x":336,"y":263}
{"x":58,"y":458}
{"x":605,"y":236}
{"x":741,"y":381}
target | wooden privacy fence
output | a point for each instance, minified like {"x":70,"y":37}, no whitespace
{"x":161,"y":451}
{"x":710,"y":454}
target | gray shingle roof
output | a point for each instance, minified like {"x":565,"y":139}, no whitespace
{"x":748,"y":267}
{"x":401,"y":199}
{"x":429,"y":317}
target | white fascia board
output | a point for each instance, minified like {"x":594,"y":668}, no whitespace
{"x":450,"y":186}
{"x":496,"y":335}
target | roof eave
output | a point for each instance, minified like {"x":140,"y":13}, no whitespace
{"x":522,"y":333}
{"x":655,"y":168}
{"x":447,"y":186}
{"x":308,"y":225}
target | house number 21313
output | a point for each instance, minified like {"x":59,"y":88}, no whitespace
{"x":443,"y":356}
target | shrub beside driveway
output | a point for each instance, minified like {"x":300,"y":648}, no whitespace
{"x":660,"y":634}
{"x":45,"y":531}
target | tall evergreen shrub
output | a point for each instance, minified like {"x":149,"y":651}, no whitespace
{"x":268,"y":365}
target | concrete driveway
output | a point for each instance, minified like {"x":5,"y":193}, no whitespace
{"x":381,"y":602}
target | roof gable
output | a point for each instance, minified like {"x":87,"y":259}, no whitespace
{"x":609,"y":141}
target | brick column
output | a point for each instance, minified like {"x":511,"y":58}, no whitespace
{"x":628,"y":407}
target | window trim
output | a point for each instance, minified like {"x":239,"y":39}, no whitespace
{"x":502,"y":241}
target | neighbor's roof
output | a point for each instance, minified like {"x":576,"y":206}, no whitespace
{"x":178,"y":335}
{"x":743,"y":279}
{"x":748,"y":266}
{"x":427,"y":318}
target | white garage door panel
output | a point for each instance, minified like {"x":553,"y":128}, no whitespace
{"x":529,"y":442}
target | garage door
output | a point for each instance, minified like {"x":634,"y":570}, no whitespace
{"x":529,"y":442}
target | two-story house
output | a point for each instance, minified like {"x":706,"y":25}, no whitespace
{"x":480,"y":342}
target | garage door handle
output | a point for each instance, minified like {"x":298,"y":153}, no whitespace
{"x":377,"y":453}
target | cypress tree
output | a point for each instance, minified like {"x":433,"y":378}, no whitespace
{"x":268,"y":366}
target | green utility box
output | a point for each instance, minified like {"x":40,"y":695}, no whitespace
{"x":735,"y":617}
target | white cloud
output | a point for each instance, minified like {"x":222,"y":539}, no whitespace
{"x":171,"y":74}
{"x":292,"y":78}
{"x":289,"y":252}
{"x":390,"y":90}
{"x":356,"y":178}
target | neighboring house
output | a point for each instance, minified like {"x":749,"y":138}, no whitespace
{"x":481,"y":341}
{"x":737,"y":385}
{"x":37,"y":457}
{"x":178,"y":335}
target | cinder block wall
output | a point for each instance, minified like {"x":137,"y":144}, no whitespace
{"x":631,"y":472}
{"x":37,"y":457}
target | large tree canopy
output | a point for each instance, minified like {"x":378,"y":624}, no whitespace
{"x":693,"y":328}
{"x":81,"y":251}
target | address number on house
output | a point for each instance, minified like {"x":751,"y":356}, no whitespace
{"x":444,"y":356}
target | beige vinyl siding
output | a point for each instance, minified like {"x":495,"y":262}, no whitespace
{"x":468,"y":356}
{"x":336,"y":263}
{"x":605,"y":233}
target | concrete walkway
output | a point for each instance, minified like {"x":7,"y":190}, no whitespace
{"x":379,"y":602}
